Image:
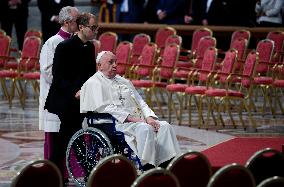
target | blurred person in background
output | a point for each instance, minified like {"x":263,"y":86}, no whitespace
{"x":268,"y":13}
{"x":15,"y":12}
{"x":49,"y":15}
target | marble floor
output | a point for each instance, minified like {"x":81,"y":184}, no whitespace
{"x":21,"y":142}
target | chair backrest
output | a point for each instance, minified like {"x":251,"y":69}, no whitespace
{"x":204,"y":43}
{"x":228,"y":64}
{"x":30,"y":52}
{"x":275,"y":181}
{"x":197,"y":35}
{"x":208,"y":62}
{"x":265,"y":49}
{"x":240,"y":34}
{"x":123,"y":52}
{"x":147,"y":57}
{"x":38,"y":173}
{"x":174,"y":39}
{"x":266,"y":163}
{"x":139,"y":41}
{"x":5,"y":43}
{"x":191,"y":169}
{"x":232,"y":175}
{"x":156,"y":177}
{"x":108,"y":41}
{"x":168,"y":61}
{"x":278,"y":38}
{"x":97,"y":45}
{"x":2,"y":32}
{"x":33,"y":32}
{"x":162,"y":34}
{"x":241,"y":45}
{"x":249,"y":68}
{"x":114,"y":170}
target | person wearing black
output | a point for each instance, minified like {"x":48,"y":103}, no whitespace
{"x":49,"y":16}
{"x":73,"y":64}
{"x":15,"y":12}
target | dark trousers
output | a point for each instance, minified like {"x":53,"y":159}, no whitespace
{"x":71,"y":122}
{"x":20,"y":23}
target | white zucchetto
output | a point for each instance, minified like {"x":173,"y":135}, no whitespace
{"x":100,"y":55}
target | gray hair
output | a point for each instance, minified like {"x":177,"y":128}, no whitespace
{"x":65,"y":14}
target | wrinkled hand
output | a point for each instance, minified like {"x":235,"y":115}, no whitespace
{"x":151,"y":121}
{"x":188,"y":19}
{"x":162,"y":15}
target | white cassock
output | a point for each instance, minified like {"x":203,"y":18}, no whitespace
{"x":47,"y":121}
{"x":119,"y":98}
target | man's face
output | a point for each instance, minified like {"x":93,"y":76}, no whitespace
{"x":108,"y":65}
{"x":72,"y":25}
{"x":91,"y":29}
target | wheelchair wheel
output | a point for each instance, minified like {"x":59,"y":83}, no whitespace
{"x":85,"y":149}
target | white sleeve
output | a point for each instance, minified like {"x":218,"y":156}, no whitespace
{"x":46,"y":62}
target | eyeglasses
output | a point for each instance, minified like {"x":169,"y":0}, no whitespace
{"x":92,"y":27}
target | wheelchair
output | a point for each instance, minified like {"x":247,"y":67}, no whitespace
{"x":89,"y":145}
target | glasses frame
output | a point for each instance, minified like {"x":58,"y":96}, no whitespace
{"x":92,"y":27}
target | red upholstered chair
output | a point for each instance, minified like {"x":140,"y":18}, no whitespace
{"x":240,"y":34}
{"x":144,"y":67}
{"x":199,"y":75}
{"x":278,"y":85}
{"x":275,"y":181}
{"x":196,"y":37}
{"x":161,"y":36}
{"x":266,"y":163}
{"x":33,"y":32}
{"x":16,"y":67}
{"x":156,"y":177}
{"x":278,"y":38}
{"x":123,"y":52}
{"x":191,"y":169}
{"x":162,"y":73}
{"x":115,"y":170}
{"x":176,"y":39}
{"x":241,"y":45}
{"x":139,"y":41}
{"x":97,"y":45}
{"x":232,"y":175}
{"x":222,"y":97}
{"x":263,"y":79}
{"x":38,"y":173}
{"x":181,"y":70}
{"x":108,"y":41}
{"x":5,"y":44}
{"x":2,"y":32}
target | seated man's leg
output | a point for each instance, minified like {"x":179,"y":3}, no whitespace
{"x":141,"y":139}
{"x":167,"y":144}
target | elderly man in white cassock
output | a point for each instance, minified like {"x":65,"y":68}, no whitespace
{"x":153,"y":141}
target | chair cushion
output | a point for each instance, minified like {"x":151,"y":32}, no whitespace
{"x":195,"y":90}
{"x":181,"y":74}
{"x":31,"y":75}
{"x":8,"y":74}
{"x":263,"y":80}
{"x":176,"y":87}
{"x":215,"y":92}
{"x":142,"y":83}
{"x":278,"y":83}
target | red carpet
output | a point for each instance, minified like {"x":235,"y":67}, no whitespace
{"x":239,"y":150}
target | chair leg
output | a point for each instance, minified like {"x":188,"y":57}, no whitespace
{"x":189,"y":111}
{"x":228,"y":108}
{"x":250,"y":115}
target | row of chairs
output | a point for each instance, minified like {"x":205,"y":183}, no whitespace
{"x":175,"y":70}
{"x":17,"y":68}
{"x":264,"y":169}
